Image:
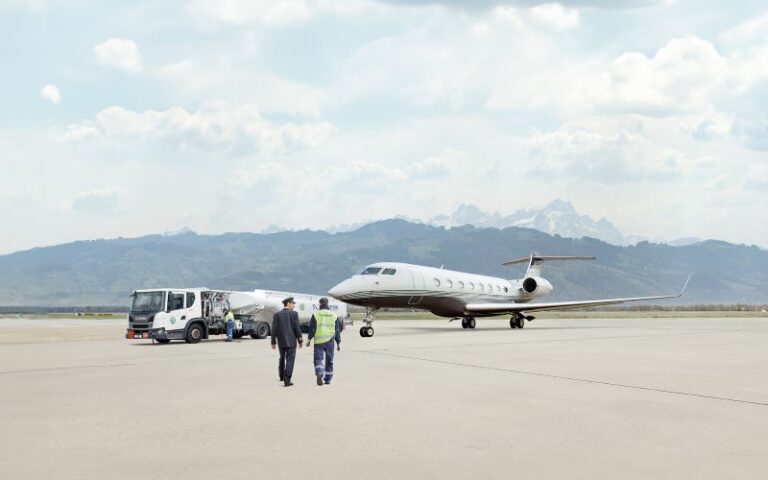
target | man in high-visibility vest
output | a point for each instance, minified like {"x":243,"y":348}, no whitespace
{"x":229,"y":322}
{"x":325,"y":328}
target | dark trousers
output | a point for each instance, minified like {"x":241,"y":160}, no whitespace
{"x":287,"y":359}
{"x":324,"y":351}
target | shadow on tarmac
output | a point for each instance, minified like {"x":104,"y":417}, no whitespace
{"x":182,"y":342}
{"x":383,"y":331}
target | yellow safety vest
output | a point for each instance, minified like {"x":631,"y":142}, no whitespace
{"x":326,"y":326}
{"x":229,"y":316}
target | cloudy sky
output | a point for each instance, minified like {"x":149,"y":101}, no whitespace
{"x":129,"y":118}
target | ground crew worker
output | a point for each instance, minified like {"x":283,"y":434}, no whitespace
{"x":229,"y":321}
{"x":285,"y":333}
{"x":325,"y":327}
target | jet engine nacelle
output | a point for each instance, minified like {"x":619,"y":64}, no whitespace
{"x":536,"y":285}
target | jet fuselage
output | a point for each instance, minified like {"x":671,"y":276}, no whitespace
{"x":443,"y":292}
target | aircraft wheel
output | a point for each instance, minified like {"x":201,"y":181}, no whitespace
{"x":464,"y":323}
{"x":520,"y":322}
{"x":471,"y":323}
{"x":512,"y":323}
{"x":368,"y":331}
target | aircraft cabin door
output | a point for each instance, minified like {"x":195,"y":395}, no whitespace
{"x":418,"y":285}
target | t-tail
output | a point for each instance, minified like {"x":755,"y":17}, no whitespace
{"x":534,"y":262}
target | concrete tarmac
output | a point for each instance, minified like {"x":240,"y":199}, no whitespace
{"x":609,"y":398}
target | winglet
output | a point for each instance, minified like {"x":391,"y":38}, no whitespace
{"x":684,"y":286}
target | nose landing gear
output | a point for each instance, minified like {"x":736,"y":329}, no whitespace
{"x":367,"y":329}
{"x":468,"y":322}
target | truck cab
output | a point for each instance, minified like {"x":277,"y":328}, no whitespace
{"x":145,"y":306}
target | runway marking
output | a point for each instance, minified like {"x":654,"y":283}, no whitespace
{"x":78,"y":367}
{"x":158,"y":361}
{"x":556,"y":340}
{"x":571,"y":379}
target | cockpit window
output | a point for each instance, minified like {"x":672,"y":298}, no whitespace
{"x":371,"y":271}
{"x":389,"y":271}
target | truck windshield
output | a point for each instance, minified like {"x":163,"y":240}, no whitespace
{"x":148,"y":301}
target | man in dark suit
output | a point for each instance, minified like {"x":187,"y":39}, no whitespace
{"x":286,"y":332}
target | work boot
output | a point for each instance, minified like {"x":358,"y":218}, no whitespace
{"x":288,"y":381}
{"x":319,"y":380}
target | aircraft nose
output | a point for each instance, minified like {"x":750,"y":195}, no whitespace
{"x":340,"y":290}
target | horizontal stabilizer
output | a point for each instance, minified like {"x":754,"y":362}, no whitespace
{"x":535,"y":259}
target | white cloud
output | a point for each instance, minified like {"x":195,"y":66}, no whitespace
{"x":451,"y":60}
{"x":51,"y":93}
{"x":501,"y":59}
{"x":119,"y":53}
{"x":102,"y":200}
{"x":272,"y":173}
{"x":712,"y":126}
{"x":270,"y":13}
{"x":215,"y":127}
{"x":680,"y":77}
{"x":470,"y":5}
{"x":34,"y":5}
{"x":593,"y":157}
{"x":240,"y":12}
{"x":80,"y":132}
{"x":753,"y":132}
{"x":498,"y":106}
{"x":752,"y":31}
{"x":555,"y":16}
{"x":436,"y":166}
{"x":235,"y":79}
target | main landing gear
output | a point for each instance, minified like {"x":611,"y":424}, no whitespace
{"x":367,"y":329}
{"x":468,"y":322}
{"x":518,"y":320}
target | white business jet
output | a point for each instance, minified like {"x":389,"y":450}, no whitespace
{"x":459,"y":295}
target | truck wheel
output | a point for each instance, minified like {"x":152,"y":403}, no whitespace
{"x":163,"y":340}
{"x":194,"y":333}
{"x":262,"y":331}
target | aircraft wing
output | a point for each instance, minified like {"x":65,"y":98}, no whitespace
{"x":503,"y":308}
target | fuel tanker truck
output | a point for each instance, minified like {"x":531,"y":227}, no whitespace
{"x":193,"y":314}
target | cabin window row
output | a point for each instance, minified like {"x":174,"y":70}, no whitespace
{"x":471,"y":286}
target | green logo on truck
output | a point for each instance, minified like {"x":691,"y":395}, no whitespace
{"x":173,"y":320}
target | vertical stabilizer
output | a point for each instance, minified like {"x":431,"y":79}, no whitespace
{"x":534,"y":267}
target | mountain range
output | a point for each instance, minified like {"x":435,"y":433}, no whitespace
{"x":105,"y":272}
{"x":558,"y":217}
